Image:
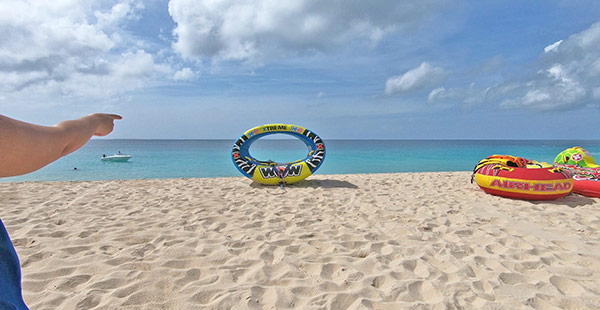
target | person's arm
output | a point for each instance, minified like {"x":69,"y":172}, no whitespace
{"x":27,"y":147}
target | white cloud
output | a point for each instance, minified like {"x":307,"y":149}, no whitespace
{"x":72,"y":48}
{"x":125,"y":10}
{"x":569,"y":75}
{"x":567,"y":78}
{"x":138,"y":65}
{"x":472,"y":96}
{"x":185,"y":74}
{"x":128,"y":71}
{"x":552,"y":46}
{"x":255,"y":30}
{"x":436,"y":94}
{"x":421,"y":77}
{"x":535,"y":96}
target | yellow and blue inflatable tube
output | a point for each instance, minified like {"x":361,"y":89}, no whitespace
{"x":268,"y":172}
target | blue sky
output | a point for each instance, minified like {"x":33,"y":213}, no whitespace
{"x":200,"y":69}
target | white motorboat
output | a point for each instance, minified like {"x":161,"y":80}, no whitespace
{"x":117,"y":157}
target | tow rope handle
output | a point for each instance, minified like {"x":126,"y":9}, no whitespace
{"x":282,"y":174}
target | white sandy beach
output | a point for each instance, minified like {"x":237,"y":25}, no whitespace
{"x":377,"y":241}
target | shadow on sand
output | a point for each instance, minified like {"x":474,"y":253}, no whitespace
{"x":571,"y":200}
{"x":315,"y":184}
{"x":325,"y":184}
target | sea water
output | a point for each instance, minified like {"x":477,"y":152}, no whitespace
{"x":162,"y":159}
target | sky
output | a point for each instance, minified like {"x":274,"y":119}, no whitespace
{"x":346,"y":69}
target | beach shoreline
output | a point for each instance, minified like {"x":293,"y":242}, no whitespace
{"x":428,"y":240}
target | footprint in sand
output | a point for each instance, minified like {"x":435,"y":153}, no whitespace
{"x":36,"y":258}
{"x":334,"y":272}
{"x":86,"y":233}
{"x":69,"y":284}
{"x":496,"y":248}
{"x":108,"y":284}
{"x":190,"y":276}
{"x":512,"y":278}
{"x":89,"y":302}
{"x":567,"y":286}
{"x":63,"y":272}
{"x":442,"y":264}
{"x":305,"y":291}
{"x":417,"y":267}
{"x":23,"y":242}
{"x":424,"y":291}
{"x":56,"y":234}
{"x":383,"y":283}
{"x":569,"y":246}
{"x":460,"y":251}
{"x":491,"y":264}
{"x":343,"y":301}
{"x":525,"y":266}
{"x":75,"y":249}
{"x":483,"y":286}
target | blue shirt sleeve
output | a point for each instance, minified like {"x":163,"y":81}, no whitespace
{"x":11,"y":297}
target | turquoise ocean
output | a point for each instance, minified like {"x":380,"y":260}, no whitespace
{"x":162,"y":159}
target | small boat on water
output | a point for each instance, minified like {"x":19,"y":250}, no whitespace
{"x":116,"y":158}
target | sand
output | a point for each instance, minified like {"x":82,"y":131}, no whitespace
{"x":372,"y":241}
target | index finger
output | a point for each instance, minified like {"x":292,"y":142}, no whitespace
{"x":114,"y":116}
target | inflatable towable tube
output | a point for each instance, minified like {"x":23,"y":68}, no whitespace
{"x":580,"y":164}
{"x":520,"y":178}
{"x":269,"y":172}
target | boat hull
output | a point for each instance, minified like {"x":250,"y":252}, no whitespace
{"x":116,"y":158}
